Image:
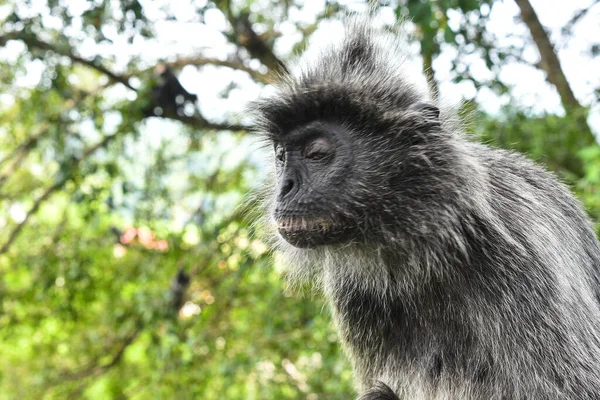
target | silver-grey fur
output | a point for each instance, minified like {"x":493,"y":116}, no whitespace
{"x":484,"y":282}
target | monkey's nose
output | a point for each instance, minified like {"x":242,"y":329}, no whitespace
{"x":287,"y":187}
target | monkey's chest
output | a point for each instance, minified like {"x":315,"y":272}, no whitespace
{"x":374,"y":326}
{"x":407,"y":346}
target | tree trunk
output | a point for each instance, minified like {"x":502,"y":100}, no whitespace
{"x":549,"y":60}
{"x":430,"y":75}
{"x":551,"y":65}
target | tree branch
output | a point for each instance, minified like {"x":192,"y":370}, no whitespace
{"x":256,"y":45}
{"x":198,"y":122}
{"x":50,"y":191}
{"x":568,"y":28}
{"x":22,"y":150}
{"x":35,"y":42}
{"x":120,"y":352}
{"x":233,"y":64}
{"x":550,"y":63}
{"x":92,"y":64}
{"x":20,"y":153}
{"x":549,"y":60}
{"x":430,"y":74}
{"x":17,"y":229}
{"x":100,"y":369}
{"x":28,"y":144}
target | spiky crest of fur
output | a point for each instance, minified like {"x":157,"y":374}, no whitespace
{"x":484,"y":279}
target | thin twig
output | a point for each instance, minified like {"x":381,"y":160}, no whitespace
{"x":17,"y":229}
{"x":35,"y":42}
{"x":27,"y":144}
{"x":51,"y":190}
{"x":100,"y":369}
{"x":568,"y":28}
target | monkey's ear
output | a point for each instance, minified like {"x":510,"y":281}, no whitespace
{"x":428,"y":110}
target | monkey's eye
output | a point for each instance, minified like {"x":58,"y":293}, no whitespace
{"x":279,"y":153}
{"x":318,"y":149}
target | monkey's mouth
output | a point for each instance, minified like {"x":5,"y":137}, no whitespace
{"x":311,"y":232}
{"x":305,"y":224}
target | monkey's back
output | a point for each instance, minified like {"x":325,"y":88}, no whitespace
{"x":541,"y":211}
{"x":513,"y":315}
{"x":534,"y":277}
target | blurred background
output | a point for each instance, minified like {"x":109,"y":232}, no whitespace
{"x":130,"y":267}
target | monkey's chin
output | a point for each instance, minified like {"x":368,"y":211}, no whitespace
{"x":308,"y":234}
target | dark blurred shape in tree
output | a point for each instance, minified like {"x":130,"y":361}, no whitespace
{"x":168,"y":96}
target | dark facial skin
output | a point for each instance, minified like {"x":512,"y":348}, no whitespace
{"x":312,"y":161}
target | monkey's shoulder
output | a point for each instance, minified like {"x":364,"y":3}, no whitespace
{"x":514,"y":175}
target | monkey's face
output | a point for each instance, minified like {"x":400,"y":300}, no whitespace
{"x":314,"y":165}
{"x":338,"y":183}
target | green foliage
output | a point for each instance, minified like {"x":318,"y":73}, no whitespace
{"x":462,"y":25}
{"x":100,"y":207}
{"x":70,"y":305}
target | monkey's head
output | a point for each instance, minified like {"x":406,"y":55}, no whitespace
{"x":354,"y":146}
